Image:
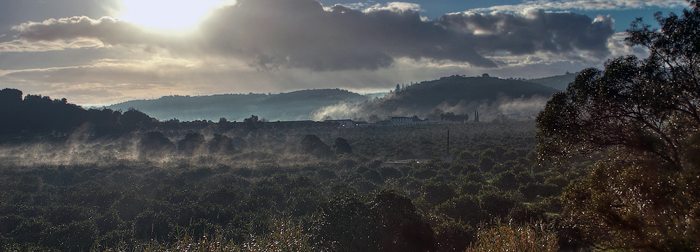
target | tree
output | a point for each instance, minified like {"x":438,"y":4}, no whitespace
{"x":342,"y":146}
{"x":250,"y":124}
{"x":155,"y":144}
{"x":311,"y":144}
{"x":221,"y":144}
{"x":190,"y":144}
{"x":642,"y":117}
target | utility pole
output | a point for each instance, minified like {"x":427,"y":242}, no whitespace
{"x":448,"y":144}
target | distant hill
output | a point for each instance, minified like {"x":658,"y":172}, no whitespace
{"x":558,"y":82}
{"x":455,"y":89}
{"x":455,"y":94}
{"x":297,"y":105}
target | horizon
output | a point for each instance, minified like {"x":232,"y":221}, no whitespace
{"x":381,"y":92}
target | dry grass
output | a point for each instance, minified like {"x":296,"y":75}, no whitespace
{"x":286,"y":237}
{"x":523,"y":238}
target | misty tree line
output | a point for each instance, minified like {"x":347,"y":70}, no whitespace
{"x":40,"y":115}
{"x":328,"y":193}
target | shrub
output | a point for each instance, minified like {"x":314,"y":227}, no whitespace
{"x":501,"y":237}
{"x":497,"y":204}
{"x":437,"y":192}
{"x":464,"y":208}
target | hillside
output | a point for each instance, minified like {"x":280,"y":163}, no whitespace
{"x":455,"y":89}
{"x":558,"y":82}
{"x":456,"y":94}
{"x":297,"y":105}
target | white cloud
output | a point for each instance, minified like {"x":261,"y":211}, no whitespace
{"x":394,"y":6}
{"x":585,"y":5}
{"x":20,"y":45}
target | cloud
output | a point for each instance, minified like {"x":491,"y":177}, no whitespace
{"x":104,"y":82}
{"x":585,"y":5}
{"x":107,"y":30}
{"x":393,"y":6}
{"x":619,"y":47}
{"x":270,"y":34}
{"x":48,"y":45}
{"x":534,"y":30}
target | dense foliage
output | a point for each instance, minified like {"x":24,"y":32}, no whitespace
{"x":172,"y":185}
{"x":641,"y":117}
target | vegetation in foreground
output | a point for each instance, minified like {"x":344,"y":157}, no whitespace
{"x":338,"y":197}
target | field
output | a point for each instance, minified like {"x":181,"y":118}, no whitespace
{"x":278,"y":190}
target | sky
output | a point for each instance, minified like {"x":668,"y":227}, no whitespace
{"x":100,"y":52}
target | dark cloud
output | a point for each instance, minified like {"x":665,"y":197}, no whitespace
{"x":108,"y":30}
{"x":302,"y":34}
{"x":536,"y":30}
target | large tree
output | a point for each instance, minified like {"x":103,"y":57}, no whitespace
{"x":642,"y":117}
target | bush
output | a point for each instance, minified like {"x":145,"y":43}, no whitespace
{"x":437,"y":192}
{"x":374,"y":176}
{"x":465,"y":209}
{"x":532,"y":237}
{"x":453,"y":236}
{"x":75,"y":236}
{"x":424,"y":172}
{"x":506,"y":181}
{"x":150,"y":225}
{"x":470,"y":188}
{"x":497,"y":204}
{"x":532,"y":190}
{"x":363,"y":185}
{"x":390,"y":172}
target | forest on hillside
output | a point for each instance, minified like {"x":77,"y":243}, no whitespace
{"x":610,"y":164}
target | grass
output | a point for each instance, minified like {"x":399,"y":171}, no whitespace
{"x":521,"y":238}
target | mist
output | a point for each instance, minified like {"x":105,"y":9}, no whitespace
{"x":488,"y":110}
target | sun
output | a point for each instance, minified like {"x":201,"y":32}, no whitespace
{"x":167,"y":14}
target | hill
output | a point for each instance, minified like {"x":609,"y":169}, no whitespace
{"x":456,"y":94}
{"x":455,"y":89}
{"x":297,"y":105}
{"x":558,"y":82}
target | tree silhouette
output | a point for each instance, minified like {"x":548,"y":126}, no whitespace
{"x":191,"y":143}
{"x":155,"y":144}
{"x":643,"y":115}
{"x":221,"y":144}
{"x":311,"y":144}
{"x":342,"y":146}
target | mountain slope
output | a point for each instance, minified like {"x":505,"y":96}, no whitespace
{"x":455,"y":89}
{"x":456,"y":94}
